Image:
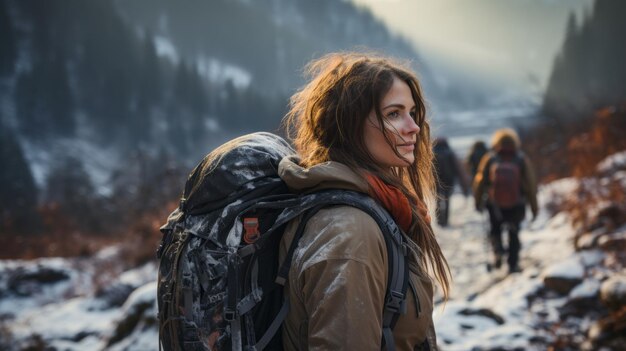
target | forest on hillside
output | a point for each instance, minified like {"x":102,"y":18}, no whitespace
{"x":584,"y":106}
{"x":99,"y":129}
{"x":73,"y":73}
{"x":107,"y":105}
{"x":271,"y":39}
{"x":589,"y":72}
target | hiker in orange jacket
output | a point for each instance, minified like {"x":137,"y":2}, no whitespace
{"x":360,"y":124}
{"x":505,"y":184}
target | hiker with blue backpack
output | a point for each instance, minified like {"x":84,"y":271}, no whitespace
{"x":505,"y":184}
{"x":325,"y":247}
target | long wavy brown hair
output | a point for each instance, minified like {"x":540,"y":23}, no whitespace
{"x":326,"y":122}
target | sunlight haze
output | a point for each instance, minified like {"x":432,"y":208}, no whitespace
{"x":515,"y":41}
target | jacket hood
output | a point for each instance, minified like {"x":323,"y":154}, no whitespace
{"x":327,"y":175}
{"x":505,"y":139}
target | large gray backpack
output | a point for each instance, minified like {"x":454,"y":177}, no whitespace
{"x":219,"y":281}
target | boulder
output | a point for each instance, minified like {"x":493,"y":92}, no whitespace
{"x":613,"y":292}
{"x":589,"y":240}
{"x":613,"y":242}
{"x":610,"y":217}
{"x":115,"y":294}
{"x":612,"y":164}
{"x":138,"y":315}
{"x":609,"y":332}
{"x":25,"y":282}
{"x":483,"y":312}
{"x":582,"y":300}
{"x":563,"y":276}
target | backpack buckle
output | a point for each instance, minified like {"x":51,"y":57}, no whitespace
{"x":251,"y":227}
{"x":394,"y":302}
{"x":405,"y":249}
{"x":229,"y":315}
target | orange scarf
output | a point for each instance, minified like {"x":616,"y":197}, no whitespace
{"x":394,"y":201}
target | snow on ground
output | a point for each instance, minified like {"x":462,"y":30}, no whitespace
{"x":486,"y":309}
{"x":491,"y":309}
{"x":55,"y":300}
{"x":16,"y":297}
{"x":68,"y":319}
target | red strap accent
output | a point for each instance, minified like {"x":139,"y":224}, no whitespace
{"x":251,"y":228}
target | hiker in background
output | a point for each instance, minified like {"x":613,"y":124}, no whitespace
{"x":449,"y":172}
{"x":506,"y":176}
{"x":478,"y":150}
{"x":360,"y":124}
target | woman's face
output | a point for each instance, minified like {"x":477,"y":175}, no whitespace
{"x":398,"y":110}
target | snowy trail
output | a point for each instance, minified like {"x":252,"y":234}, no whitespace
{"x":486,"y":310}
{"x":464,"y":243}
{"x":497,"y":310}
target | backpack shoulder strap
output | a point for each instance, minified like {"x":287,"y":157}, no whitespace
{"x":398,"y":271}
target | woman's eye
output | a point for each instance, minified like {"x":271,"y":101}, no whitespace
{"x":413,"y":114}
{"x":393,"y":114}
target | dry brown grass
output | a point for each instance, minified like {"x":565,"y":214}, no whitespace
{"x":574,"y":149}
{"x":605,"y":137}
{"x":597,"y":204}
{"x":61,"y":237}
{"x":599,"y":201}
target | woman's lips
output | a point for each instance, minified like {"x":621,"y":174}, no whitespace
{"x":407,"y":147}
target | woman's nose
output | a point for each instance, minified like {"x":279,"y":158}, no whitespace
{"x":410,"y":125}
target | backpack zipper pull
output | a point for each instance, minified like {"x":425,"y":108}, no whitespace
{"x":251,"y":227}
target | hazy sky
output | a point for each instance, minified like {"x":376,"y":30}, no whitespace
{"x":512,"y":39}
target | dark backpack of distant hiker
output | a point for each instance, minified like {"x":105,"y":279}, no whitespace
{"x":478,"y":151}
{"x":445,"y":165}
{"x":505,"y":178}
{"x":220,"y":285}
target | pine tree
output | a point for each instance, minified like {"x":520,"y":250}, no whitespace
{"x":18,"y":193}
{"x":44,"y":101}
{"x":25,"y":103}
{"x":69,"y":187}
{"x":148,"y":91}
{"x":589,"y":72}
{"x":8,"y":47}
{"x":59,"y":99}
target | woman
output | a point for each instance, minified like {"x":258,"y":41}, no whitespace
{"x":359,"y":124}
